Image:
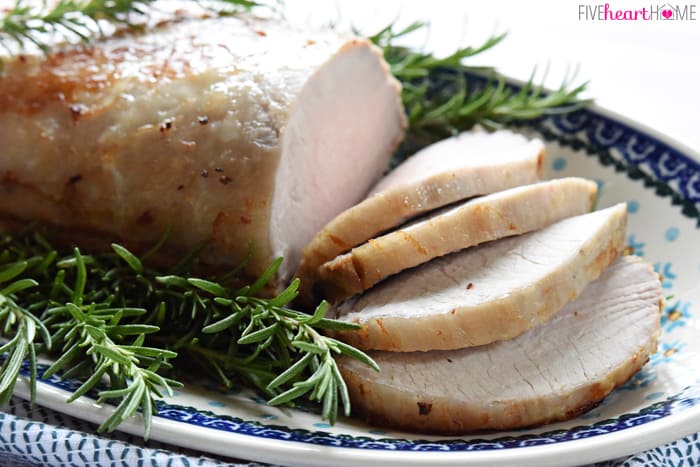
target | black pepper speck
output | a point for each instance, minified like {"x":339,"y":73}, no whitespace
{"x":166,"y":126}
{"x":73,"y":179}
{"x":76,"y":111}
{"x":424,"y":408}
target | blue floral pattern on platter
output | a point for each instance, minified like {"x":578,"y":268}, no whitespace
{"x":206,"y":419}
{"x":616,"y":142}
{"x":619,"y":147}
{"x":688,"y":398}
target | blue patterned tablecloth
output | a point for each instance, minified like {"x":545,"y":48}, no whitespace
{"x":31,"y":435}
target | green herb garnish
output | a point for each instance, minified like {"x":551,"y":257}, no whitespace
{"x":440,"y":100}
{"x":67,"y":20}
{"x":122,"y":326}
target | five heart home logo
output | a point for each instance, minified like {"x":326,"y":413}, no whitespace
{"x":663,"y":12}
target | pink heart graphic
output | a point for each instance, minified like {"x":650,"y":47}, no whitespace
{"x":667,"y":14}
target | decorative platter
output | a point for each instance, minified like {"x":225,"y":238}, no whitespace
{"x":660,"y":180}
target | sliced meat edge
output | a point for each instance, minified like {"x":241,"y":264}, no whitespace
{"x":470,"y":164}
{"x":510,"y":212}
{"x":554,"y":372}
{"x":494,"y":291}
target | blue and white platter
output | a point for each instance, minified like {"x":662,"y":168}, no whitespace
{"x":660,"y":180}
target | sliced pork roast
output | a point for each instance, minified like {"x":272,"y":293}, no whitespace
{"x":491,"y":292}
{"x":553,"y":372}
{"x":223,"y":130}
{"x":503,"y":214}
{"x":467,"y":165}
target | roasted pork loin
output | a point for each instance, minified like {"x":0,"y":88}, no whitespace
{"x":229,"y":131}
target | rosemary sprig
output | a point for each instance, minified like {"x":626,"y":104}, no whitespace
{"x":69,"y":20}
{"x":92,"y":336}
{"x":23,"y":326}
{"x":96,"y":312}
{"x":440,"y":100}
{"x":260,"y":341}
{"x":267,"y":331}
{"x":408,"y":64}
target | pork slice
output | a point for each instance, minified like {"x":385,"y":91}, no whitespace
{"x":511,"y":212}
{"x":553,"y":372}
{"x":467,"y":165}
{"x":224,"y":130}
{"x":491,"y":292}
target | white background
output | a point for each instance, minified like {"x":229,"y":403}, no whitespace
{"x":646,"y":70}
